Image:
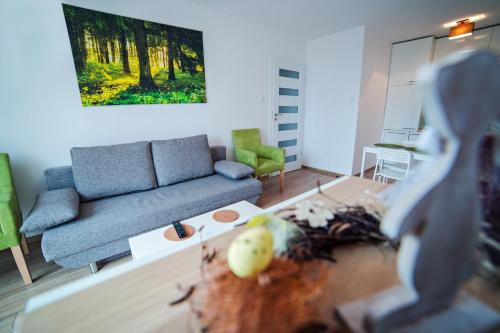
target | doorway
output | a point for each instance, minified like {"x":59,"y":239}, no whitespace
{"x":287,"y":109}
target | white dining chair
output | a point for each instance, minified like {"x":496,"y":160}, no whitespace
{"x":392,"y":164}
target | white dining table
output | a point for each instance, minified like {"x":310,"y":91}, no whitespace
{"x":373,"y":150}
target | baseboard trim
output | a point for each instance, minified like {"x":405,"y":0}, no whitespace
{"x":326,"y":172}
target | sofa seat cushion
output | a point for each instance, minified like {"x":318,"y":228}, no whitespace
{"x":178,"y":160}
{"x":112,"y":170}
{"x":52,"y":208}
{"x":106,"y":220}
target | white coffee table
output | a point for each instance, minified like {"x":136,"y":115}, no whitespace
{"x":153,"y":241}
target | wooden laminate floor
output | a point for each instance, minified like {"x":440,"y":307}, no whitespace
{"x":46,"y":276}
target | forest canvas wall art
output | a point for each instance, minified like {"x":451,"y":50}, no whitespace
{"x":121,"y":60}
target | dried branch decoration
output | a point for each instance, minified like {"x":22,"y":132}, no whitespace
{"x":327,"y":228}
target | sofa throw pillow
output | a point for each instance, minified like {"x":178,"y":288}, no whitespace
{"x":233,"y":170}
{"x":52,"y":208}
{"x":112,"y":170}
{"x":177,"y":160}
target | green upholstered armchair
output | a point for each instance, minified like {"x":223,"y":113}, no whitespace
{"x":10,"y":219}
{"x":249,"y":150}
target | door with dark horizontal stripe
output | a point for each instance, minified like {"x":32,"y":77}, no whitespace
{"x":287,"y":109}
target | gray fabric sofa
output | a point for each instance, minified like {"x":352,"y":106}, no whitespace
{"x":103,"y":226}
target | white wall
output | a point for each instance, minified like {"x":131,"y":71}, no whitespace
{"x":370,"y":123}
{"x":41,"y":116}
{"x":345,"y":98}
{"x":332,"y":91}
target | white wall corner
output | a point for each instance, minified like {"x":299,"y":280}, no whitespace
{"x":373,"y":91}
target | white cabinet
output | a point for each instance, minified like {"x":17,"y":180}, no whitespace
{"x":480,"y":39}
{"x":394,"y":136}
{"x":495,"y":41}
{"x":403,"y":104}
{"x":400,"y":136}
{"x":403,"y":107}
{"x":407,"y":58}
{"x":414,"y":136}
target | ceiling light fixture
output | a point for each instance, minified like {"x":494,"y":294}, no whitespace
{"x":463,"y":28}
{"x":474,"y":18}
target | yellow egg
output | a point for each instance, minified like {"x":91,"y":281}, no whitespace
{"x":250,"y":252}
{"x":258,"y":220}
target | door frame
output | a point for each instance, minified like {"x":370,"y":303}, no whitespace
{"x":277,"y":62}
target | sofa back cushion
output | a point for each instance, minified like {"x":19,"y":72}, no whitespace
{"x":177,"y":160}
{"x":106,"y":171}
{"x":62,"y":177}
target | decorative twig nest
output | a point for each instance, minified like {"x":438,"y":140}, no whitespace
{"x":281,"y":299}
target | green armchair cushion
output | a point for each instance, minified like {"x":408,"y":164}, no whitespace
{"x":272,"y":153}
{"x":10,"y":214}
{"x":247,"y":139}
{"x":250,"y":151}
{"x":266,"y":166}
{"x":246,"y":157}
{"x":52,"y":208}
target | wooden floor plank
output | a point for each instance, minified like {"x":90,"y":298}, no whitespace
{"x":7,"y":323}
{"x":296,"y":182}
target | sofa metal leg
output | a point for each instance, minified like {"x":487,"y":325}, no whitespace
{"x":93,"y":268}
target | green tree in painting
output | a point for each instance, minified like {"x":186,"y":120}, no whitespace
{"x":141,"y":44}
{"x":120,"y":60}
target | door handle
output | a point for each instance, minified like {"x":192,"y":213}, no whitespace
{"x":277,"y":114}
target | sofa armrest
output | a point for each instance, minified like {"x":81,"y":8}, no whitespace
{"x":59,"y":177}
{"x":272,"y":153}
{"x":51,"y":209}
{"x":218,"y":153}
{"x":246,"y":157}
{"x":10,"y":219}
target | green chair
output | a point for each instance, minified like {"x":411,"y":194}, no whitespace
{"x":249,"y":150}
{"x":11,"y":219}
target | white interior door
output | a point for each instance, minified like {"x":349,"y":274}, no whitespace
{"x":287,"y":109}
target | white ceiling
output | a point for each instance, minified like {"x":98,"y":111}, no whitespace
{"x":398,"y":20}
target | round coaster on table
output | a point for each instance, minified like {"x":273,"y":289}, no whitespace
{"x":226,"y":216}
{"x":171,"y":235}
